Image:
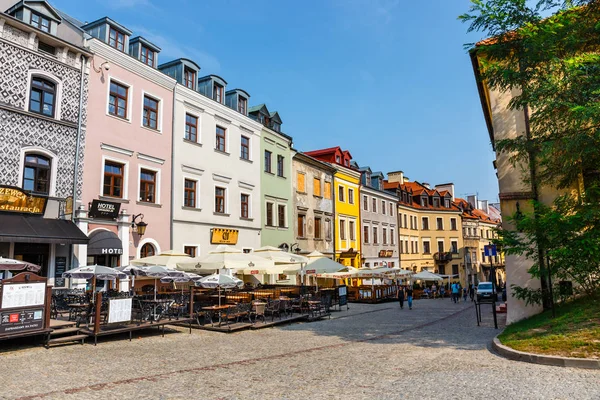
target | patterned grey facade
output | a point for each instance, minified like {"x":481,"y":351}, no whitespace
{"x":20,"y":128}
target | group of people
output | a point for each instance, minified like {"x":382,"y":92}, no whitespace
{"x":405,"y":293}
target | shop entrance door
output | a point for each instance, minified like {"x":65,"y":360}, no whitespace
{"x":35,"y":253}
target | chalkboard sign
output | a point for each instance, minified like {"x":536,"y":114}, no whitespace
{"x":20,"y":321}
{"x":60,"y":266}
{"x":343,"y":295}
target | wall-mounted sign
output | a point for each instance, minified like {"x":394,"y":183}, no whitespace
{"x":386,"y":253}
{"x":19,"y":321}
{"x":350,"y":253}
{"x":104,"y":209}
{"x":223,"y":236}
{"x":60,"y":266}
{"x":15,"y":200}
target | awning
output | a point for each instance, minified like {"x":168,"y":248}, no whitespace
{"x":104,"y":242}
{"x":35,"y":229}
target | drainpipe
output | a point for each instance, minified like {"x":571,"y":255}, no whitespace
{"x":172,"y":171}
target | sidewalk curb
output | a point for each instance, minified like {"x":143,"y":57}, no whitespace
{"x":556,"y":361}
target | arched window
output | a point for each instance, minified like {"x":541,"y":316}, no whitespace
{"x":147,"y":250}
{"x":42,"y":96}
{"x":36,"y":173}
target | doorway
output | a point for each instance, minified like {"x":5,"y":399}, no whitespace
{"x":35,"y":253}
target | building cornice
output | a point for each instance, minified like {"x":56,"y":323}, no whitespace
{"x":375,"y":192}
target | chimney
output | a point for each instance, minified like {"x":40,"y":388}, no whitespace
{"x":396,"y":177}
{"x":427,"y":185}
{"x":472,"y":199}
{"x":483,"y":206}
{"x":446,"y":186}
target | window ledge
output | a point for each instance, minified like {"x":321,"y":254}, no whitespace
{"x":271,"y":227}
{"x":151,"y":129}
{"x":221,"y":214}
{"x":270,"y":173}
{"x":147,"y":203}
{"x":282,"y":177}
{"x":115,"y":199}
{"x":36,"y":115}
{"x":299,"y":192}
{"x":246,"y":160}
{"x":283,"y":228}
{"x":246,"y":219}
{"x":118,"y":118}
{"x":317,"y":196}
{"x":192,"y":142}
{"x":191,"y":208}
{"x":222,"y":152}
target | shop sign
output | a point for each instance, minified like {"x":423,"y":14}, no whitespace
{"x":386,"y":253}
{"x":19,"y":321}
{"x":15,"y":200}
{"x":112,"y":251}
{"x":224,"y":236}
{"x":254,"y":272}
{"x":351,"y":253}
{"x":104,"y":209}
{"x":311,"y":271}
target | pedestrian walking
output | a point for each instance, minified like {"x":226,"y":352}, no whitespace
{"x":409,"y":296}
{"x":434,"y":290}
{"x":442,"y":292}
{"x":454,"y":289}
{"x":401,"y":295}
{"x":465,"y":294}
{"x":472,"y":292}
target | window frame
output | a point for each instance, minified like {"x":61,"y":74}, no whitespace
{"x":268,"y":158}
{"x":149,"y":55}
{"x":40,"y":24}
{"x":186,"y":190}
{"x":190,"y":125}
{"x":327,"y":190}
{"x":384,"y":236}
{"x":317,"y":184}
{"x":424,"y":226}
{"x":300,"y":188}
{"x":193,"y":252}
{"x":383,"y":205}
{"x":374,"y":205}
{"x":122,"y":176}
{"x":220,"y":198}
{"x":247,"y":205}
{"x":352,"y":230}
{"x":117,"y":96}
{"x":147,"y":109}
{"x":365,"y":236}
{"x":375,"y":235}
{"x":220,"y":139}
{"x":280,"y":166}
{"x":217,"y":92}
{"x":141,"y":184}
{"x":341,"y":193}
{"x":281,"y":212}
{"x":426,"y":247}
{"x":439,"y":223}
{"x":242,"y":105}
{"x":37,"y":168}
{"x":118,"y":34}
{"x":453,"y":224}
{"x":246,"y":147}
{"x":342,"y":224}
{"x":365,"y":202}
{"x":189,"y":78}
{"x":318,"y":227}
{"x":144,"y":251}
{"x":269,"y":214}
{"x":54,"y":91}
{"x":301,"y":228}
{"x":350,"y":196}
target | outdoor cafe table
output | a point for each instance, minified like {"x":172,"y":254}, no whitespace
{"x":218,"y":309}
{"x":156,"y":302}
{"x":313,"y":306}
{"x":75,"y":309}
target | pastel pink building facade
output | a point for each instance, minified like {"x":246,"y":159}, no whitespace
{"x":127,"y":174}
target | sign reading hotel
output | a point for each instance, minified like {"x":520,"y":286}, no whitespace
{"x":104,"y":209}
{"x":15,"y":200}
{"x":223,"y":236}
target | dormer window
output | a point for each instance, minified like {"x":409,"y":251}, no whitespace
{"x":217,"y":93}
{"x":116,"y":39}
{"x":276,"y":127}
{"x":261,"y":118}
{"x":242,"y":105}
{"x":347,"y":162}
{"x":40,"y":22}
{"x":447,"y":203}
{"x":147,"y":56}
{"x":423,"y":201}
{"x":189,"y":77}
{"x":436,"y":202}
{"x":337,"y":159}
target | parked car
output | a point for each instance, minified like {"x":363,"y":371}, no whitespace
{"x":485,"y":291}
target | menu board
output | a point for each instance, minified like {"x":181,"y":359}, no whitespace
{"x":343,"y":295}
{"x":19,"y":321}
{"x":119,"y":310}
{"x":23,"y":295}
{"x":60,"y":266}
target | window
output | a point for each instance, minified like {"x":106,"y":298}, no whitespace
{"x":405,"y":225}
{"x":281,"y":215}
{"x":352,"y":230}
{"x":116,"y":39}
{"x":374,"y":209}
{"x":365,"y":234}
{"x":487,"y":234}
{"x":423,"y":201}
{"x":189,"y":78}
{"x":218,"y":93}
{"x":392,"y":237}
{"x":375,"y":238}
{"x":40,"y":22}
{"x":316,"y":186}
{"x":447,"y":203}
{"x":36,"y":175}
{"x":328,"y":229}
{"x":42,"y":97}
{"x":406,"y":245}
{"x":190,"y":250}
{"x":268,"y":167}
{"x":242,"y":105}
{"x":365,"y":203}
{"x":301,"y":225}
{"x":350,"y":196}
{"x":244,"y":205}
{"x":245,"y":148}
{"x":416,"y":246}
{"x":454,"y":246}
{"x":337,"y":159}
{"x":453,"y":224}
{"x":220,"y":200}
{"x":426,"y":248}
{"x":341,"y":193}
{"x":113,"y":179}
{"x":328,"y":190}
{"x":318,"y":228}
{"x":147,"y":56}
{"x":441,"y":246}
{"x":150,"y":113}
{"x":147,"y":250}
{"x":220,"y":139}
{"x":412,"y":247}
{"x":342,"y":229}
{"x":384,"y":235}
{"x":442,"y":269}
{"x":301,"y":183}
{"x":454,"y":269}
{"x":280,"y":159}
{"x":425,"y":221}
{"x":191,"y":128}
{"x":189,"y":193}
{"x":391,"y":209}
{"x":270,"y":214}
{"x":383,"y":207}
{"x":117,"y":101}
{"x":440,"y":224}
{"x":436,"y":201}
{"x":147,"y":186}
{"x":276,"y":127}
{"x":46,"y":48}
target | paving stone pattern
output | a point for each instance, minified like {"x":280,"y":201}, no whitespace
{"x":434,"y":351}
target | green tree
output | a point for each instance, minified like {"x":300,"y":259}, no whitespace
{"x":549,"y":51}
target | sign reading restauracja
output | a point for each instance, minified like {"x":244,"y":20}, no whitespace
{"x":13,"y":199}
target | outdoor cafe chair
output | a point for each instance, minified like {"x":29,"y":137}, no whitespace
{"x":273,"y":308}
{"x":258,"y":311}
{"x":243,"y":312}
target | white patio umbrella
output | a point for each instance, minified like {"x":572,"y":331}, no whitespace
{"x":132,"y":271}
{"x":159,"y":271}
{"x":219,"y":281}
{"x":187,"y":277}
{"x":224,"y":257}
{"x":279,"y":256}
{"x":167,"y":259}
{"x":426,"y":276}
{"x":8,"y":264}
{"x":94,"y":272}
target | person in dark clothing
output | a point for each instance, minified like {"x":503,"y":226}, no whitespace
{"x":409,"y":296}
{"x":472,"y":292}
{"x":401,"y":296}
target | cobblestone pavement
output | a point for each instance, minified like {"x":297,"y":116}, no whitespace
{"x":368,"y":352}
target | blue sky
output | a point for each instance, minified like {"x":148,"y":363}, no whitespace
{"x":388,"y":80}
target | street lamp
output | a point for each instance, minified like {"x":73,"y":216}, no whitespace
{"x":140,"y":227}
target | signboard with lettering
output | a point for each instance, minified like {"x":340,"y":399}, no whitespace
{"x":343,"y":295}
{"x":60,"y":266}
{"x":17,"y":295}
{"x":15,"y":200}
{"x":224,"y":236}
{"x":386,"y":253}
{"x":119,"y":310}
{"x":20,"y":321}
{"x":490,"y":250}
{"x":104,"y":209}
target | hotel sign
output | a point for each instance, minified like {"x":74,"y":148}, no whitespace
{"x":15,"y":200}
{"x":104,"y":209}
{"x":223,"y":236}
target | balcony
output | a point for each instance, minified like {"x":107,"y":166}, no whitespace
{"x":443,"y":256}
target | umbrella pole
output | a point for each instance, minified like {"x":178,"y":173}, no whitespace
{"x":154,"y":289}
{"x":219,"y":295}
{"x":93,"y":284}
